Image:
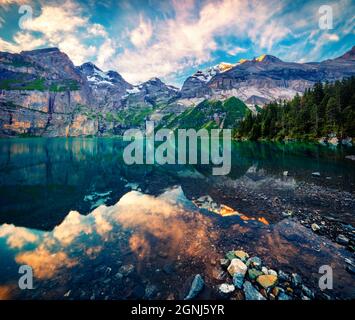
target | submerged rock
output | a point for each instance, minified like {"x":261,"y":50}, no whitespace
{"x":196,"y":287}
{"x":341,"y":239}
{"x":126,"y":269}
{"x":251,"y":293}
{"x":150,"y":291}
{"x":315,"y":174}
{"x":315,"y":227}
{"x":237,"y":266}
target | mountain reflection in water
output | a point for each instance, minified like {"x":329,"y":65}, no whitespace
{"x":116,"y":243}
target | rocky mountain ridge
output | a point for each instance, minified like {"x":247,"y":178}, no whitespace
{"x":42,"y":93}
{"x":267,"y":78}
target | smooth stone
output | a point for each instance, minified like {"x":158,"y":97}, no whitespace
{"x":196,"y":287}
{"x":287,"y":213}
{"x":285,"y":173}
{"x":254,"y":273}
{"x":264,"y":270}
{"x":267,"y":281}
{"x":238,"y":280}
{"x":226,"y":288}
{"x":241,"y":255}
{"x":251,"y":293}
{"x":296,"y":279}
{"x":272,"y":272}
{"x":275,"y":291}
{"x":150,"y":291}
{"x":315,"y":227}
{"x":254,"y":261}
{"x":126,"y":269}
{"x":283,"y":276}
{"x":341,"y":239}
{"x":315,"y":174}
{"x":237,"y":266}
{"x":308,"y":292}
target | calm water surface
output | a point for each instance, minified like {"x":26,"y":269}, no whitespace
{"x":93,"y":227}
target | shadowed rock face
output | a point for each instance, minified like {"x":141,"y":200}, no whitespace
{"x":42,"y":93}
{"x":267,"y":78}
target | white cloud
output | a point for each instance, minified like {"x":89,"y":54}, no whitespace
{"x":141,"y":35}
{"x":64,"y":26}
{"x":188,"y":38}
{"x":234,"y":51}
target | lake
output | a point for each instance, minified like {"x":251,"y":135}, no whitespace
{"x":92,"y":227}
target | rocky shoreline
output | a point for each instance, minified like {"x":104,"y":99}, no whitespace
{"x":247,"y":278}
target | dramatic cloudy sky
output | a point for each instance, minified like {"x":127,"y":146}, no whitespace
{"x":171,"y":39}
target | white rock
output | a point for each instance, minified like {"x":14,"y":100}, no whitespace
{"x":272,"y":272}
{"x":264,"y":270}
{"x":237,"y":266}
{"x":315,"y":227}
{"x":226,"y":288}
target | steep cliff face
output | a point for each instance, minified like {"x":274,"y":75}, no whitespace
{"x":108,"y":88}
{"x":41,"y":93}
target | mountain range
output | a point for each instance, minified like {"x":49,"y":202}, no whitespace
{"x":42,"y":93}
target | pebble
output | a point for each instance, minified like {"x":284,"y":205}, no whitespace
{"x":287,"y":213}
{"x":296,"y":279}
{"x":254,"y":261}
{"x":241,"y":255}
{"x":267,"y":281}
{"x":196,"y":287}
{"x":126,"y":269}
{"x":283,"y":276}
{"x":238,"y":280}
{"x":226,"y":288}
{"x":272,"y":272}
{"x":150,"y":291}
{"x":315,"y":227}
{"x":308,"y":292}
{"x":315,"y":174}
{"x":341,"y":239}
{"x":251,"y":293}
{"x":237,"y":266}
